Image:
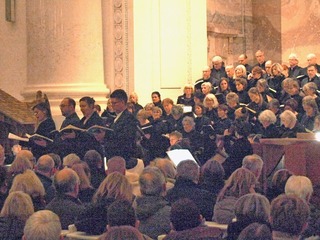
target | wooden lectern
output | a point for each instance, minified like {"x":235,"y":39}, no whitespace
{"x":302,"y":157}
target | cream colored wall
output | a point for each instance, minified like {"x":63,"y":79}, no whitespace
{"x":13,"y":50}
{"x":170,"y":46}
{"x":300,"y":29}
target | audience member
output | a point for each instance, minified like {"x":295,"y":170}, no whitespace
{"x":3,"y":185}
{"x":289,"y":216}
{"x":278,"y":183}
{"x":152,"y":210}
{"x":41,"y":225}
{"x":249,"y":208}
{"x":86,"y":190}
{"x":186,"y":186}
{"x":241,"y":182}
{"x":66,"y":203}
{"x":256,"y":231}
{"x":168,"y":169}
{"x":186,"y":222}
{"x":96,"y":165}
{"x":44,"y":170}
{"x":123,"y":232}
{"x":70,"y":159}
{"x":16,"y":210}
{"x":301,"y":187}
{"x":29,"y":183}
{"x":93,"y":219}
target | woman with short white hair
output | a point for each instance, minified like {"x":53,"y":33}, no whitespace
{"x":268,"y":119}
{"x":291,"y":125}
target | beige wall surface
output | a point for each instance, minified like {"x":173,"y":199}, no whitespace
{"x":13,"y":50}
{"x":169,"y":46}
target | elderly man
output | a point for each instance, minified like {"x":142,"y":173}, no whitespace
{"x":294,"y":69}
{"x":66,"y":203}
{"x":206,"y":77}
{"x":152,"y":210}
{"x":68,"y":110}
{"x":217,"y":71}
{"x":260,"y":59}
{"x":45,"y":170}
{"x":43,"y":224}
{"x":186,"y":186}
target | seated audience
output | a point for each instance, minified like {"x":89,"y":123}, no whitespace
{"x":66,"y":203}
{"x":256,"y":231}
{"x":95,"y":163}
{"x":3,"y":185}
{"x":186,"y":186}
{"x":186,"y":222}
{"x":123,"y":232}
{"x":152,"y":210}
{"x":93,"y":219}
{"x":241,"y":182}
{"x":249,"y":208}
{"x":168,"y":169}
{"x":44,"y":170}
{"x":301,"y":187}
{"x":212,"y":177}
{"x":289,"y":217}
{"x":70,"y":159}
{"x":86,"y":190}
{"x":121,"y":213}
{"x":29,"y":183}
{"x":41,"y":225}
{"x":16,"y":210}
{"x":278,"y":183}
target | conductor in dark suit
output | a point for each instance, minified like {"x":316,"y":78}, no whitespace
{"x":121,"y":142}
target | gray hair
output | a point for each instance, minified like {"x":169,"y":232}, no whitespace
{"x":70,"y":159}
{"x":300,"y":186}
{"x":267,"y":116}
{"x":65,"y":180}
{"x":43,"y":224}
{"x":45,"y":163}
{"x":188,"y":169}
{"x":151,"y":181}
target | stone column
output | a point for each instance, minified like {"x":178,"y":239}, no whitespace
{"x":117,"y":28}
{"x":64,"y":50}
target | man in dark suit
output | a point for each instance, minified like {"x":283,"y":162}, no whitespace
{"x":121,"y":142}
{"x":260,"y":59}
{"x":311,"y":76}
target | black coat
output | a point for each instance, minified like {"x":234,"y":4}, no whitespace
{"x":185,"y":188}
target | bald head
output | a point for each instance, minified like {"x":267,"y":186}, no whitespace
{"x":45,"y":164}
{"x":116,"y":164}
{"x":65,"y":181}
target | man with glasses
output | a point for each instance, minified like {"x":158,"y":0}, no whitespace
{"x":67,"y":107}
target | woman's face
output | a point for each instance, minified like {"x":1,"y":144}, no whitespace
{"x":155,"y":98}
{"x":309,"y":110}
{"x":239,"y":86}
{"x":275,"y":71}
{"x":205,"y":89}
{"x":187,"y":127}
{"x":265,"y":124}
{"x":40,"y":114}
{"x":239,"y":72}
{"x":156,"y":114}
{"x":254,"y":97}
{"x":198,"y":110}
{"x":86,"y":109}
{"x":224,"y":85}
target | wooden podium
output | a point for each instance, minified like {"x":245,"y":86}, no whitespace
{"x":302,"y":157}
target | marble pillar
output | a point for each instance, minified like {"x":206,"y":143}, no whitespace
{"x":65,"y":50}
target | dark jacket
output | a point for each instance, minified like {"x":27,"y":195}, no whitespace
{"x":93,"y":220}
{"x":67,"y":208}
{"x":185,"y":188}
{"x":73,"y":119}
{"x":153,"y":212}
{"x":94,"y":119}
{"x":11,"y":228}
{"x":197,"y":233}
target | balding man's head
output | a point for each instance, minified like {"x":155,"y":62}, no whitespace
{"x":116,"y":164}
{"x":66,"y":181}
{"x":45,"y":164}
